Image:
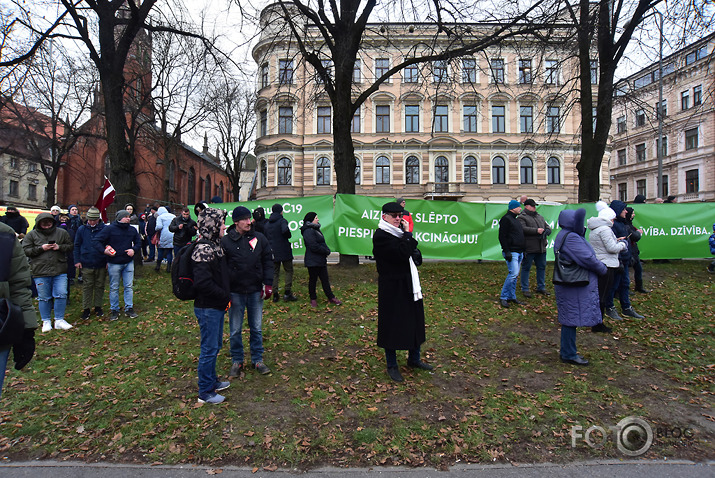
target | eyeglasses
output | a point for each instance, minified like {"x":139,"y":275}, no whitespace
{"x":394,"y":214}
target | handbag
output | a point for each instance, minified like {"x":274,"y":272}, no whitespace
{"x":567,"y":272}
{"x":155,"y":238}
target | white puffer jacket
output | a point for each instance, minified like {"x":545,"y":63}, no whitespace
{"x":604,"y":241}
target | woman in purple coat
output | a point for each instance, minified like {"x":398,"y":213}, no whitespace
{"x":577,"y":306}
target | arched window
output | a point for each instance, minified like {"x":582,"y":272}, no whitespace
{"x":526,"y":170}
{"x":191,"y":186}
{"x":322,"y":172}
{"x":220,"y":190}
{"x":285,"y":172}
{"x":470,"y":170}
{"x":207,"y":187}
{"x":554,"y":170}
{"x":498,"y":170}
{"x":412,"y":170}
{"x":441,"y":172}
{"x":264,"y":174}
{"x":357,"y":170}
{"x":172,"y":175}
{"x":382,"y":170}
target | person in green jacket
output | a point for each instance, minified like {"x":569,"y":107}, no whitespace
{"x":47,"y":246}
{"x":15,"y":283}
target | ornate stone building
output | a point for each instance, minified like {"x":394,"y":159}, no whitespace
{"x":688,"y":128}
{"x":488,"y":127}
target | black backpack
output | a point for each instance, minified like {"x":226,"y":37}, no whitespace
{"x":182,"y":273}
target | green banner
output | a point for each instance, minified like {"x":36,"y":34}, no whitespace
{"x":444,"y":230}
{"x":294,"y":210}
{"x":470,"y":231}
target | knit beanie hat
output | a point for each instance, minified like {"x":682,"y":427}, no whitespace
{"x":121,"y":214}
{"x":309,"y":217}
{"x":93,"y":213}
{"x":513,"y":204}
{"x":607,"y":213}
{"x":239,"y":213}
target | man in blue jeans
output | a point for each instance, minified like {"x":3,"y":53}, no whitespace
{"x":120,"y":242}
{"x":250,"y":263}
{"x":511,"y":238}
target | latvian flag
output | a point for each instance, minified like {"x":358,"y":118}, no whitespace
{"x":106,"y":197}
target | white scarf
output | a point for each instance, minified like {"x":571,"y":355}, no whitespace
{"x":397,"y":232}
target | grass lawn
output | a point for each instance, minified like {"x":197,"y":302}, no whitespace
{"x":126,"y":391}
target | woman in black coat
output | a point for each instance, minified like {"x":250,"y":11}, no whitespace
{"x":316,"y":259}
{"x":400,"y":312}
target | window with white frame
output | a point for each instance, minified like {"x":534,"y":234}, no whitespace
{"x":526,"y":170}
{"x":469,"y":70}
{"x":553,"y":119}
{"x":322,"y":172}
{"x":525,"y":77}
{"x":498,"y":170}
{"x":685,"y":100}
{"x":382,"y":119}
{"x":357,"y":74}
{"x":412,"y":118}
{"x":498,"y":118}
{"x":697,"y":95}
{"x":471,"y":170}
{"x":441,"y":119}
{"x":691,"y":138}
{"x":357,"y":170}
{"x":285,"y":120}
{"x":470,"y":118}
{"x":526,"y":119}
{"x":623,"y":192}
{"x":553,"y":166}
{"x":440,"y":71}
{"x":382,"y":65}
{"x":640,"y":117}
{"x":640,"y":187}
{"x":324,"y":119}
{"x":411,"y":74}
{"x":622,"y":157}
{"x":692,"y":181}
{"x":263,"y":122}
{"x":663,"y":145}
{"x":552,"y":72}
{"x":412,"y":170}
{"x":498,"y":71}
{"x":382,"y":170}
{"x":285,"y":172}
{"x":285,"y":72}
{"x":640,"y":153}
{"x":264,"y":174}
{"x":355,"y":123}
{"x":621,"y":124}
{"x":265,"y":80}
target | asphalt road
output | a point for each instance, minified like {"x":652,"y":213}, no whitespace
{"x":592,"y":469}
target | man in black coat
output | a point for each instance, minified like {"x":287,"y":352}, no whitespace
{"x":250,"y":263}
{"x":16,"y":221}
{"x":536,"y":231}
{"x":278,"y":233}
{"x":400,"y":311}
{"x":150,"y":231}
{"x":621,"y":280}
{"x":184,"y":229}
{"x":511,"y":238}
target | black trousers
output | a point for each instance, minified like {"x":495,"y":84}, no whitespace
{"x":315,"y":273}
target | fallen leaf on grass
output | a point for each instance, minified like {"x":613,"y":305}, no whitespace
{"x":212,"y":471}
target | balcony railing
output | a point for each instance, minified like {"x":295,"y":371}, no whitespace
{"x":443,"y":190}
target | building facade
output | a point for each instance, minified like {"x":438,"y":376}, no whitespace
{"x":488,"y":127}
{"x":687,"y":121}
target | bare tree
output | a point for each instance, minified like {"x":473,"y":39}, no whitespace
{"x":232,"y":122}
{"x":107,"y":30}
{"x":49,"y":108}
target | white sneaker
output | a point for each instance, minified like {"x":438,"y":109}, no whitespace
{"x":62,"y":324}
{"x":46,"y":325}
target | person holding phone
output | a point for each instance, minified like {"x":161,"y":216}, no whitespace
{"x":621,"y":280}
{"x":47,"y":246}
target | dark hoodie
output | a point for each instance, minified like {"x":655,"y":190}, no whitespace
{"x":316,"y":250}
{"x":211,"y":276}
{"x":121,"y":236}
{"x":15,"y":221}
{"x":635,"y":235}
{"x":278,"y":234}
{"x":620,"y":229}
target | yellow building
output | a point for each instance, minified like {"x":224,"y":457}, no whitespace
{"x":488,"y":127}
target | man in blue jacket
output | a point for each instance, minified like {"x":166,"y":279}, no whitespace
{"x":92,"y":263}
{"x":250,"y":264}
{"x":120,"y":242}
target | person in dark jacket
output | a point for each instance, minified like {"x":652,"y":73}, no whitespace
{"x":120,"y":242}
{"x":400,"y":311}
{"x":536,"y":232}
{"x":75,"y":221}
{"x":278,"y":234}
{"x":511,"y":238}
{"x":259,"y":220}
{"x":577,"y":306}
{"x":47,"y":246}
{"x":639,"y":199}
{"x":316,"y":259}
{"x":635,"y":235}
{"x":92,"y":263}
{"x":15,"y":286}
{"x":150,"y":230}
{"x":621,"y":280}
{"x":184,"y":229}
{"x":13,"y":219}
{"x":212,"y":284}
{"x":250,"y":263}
